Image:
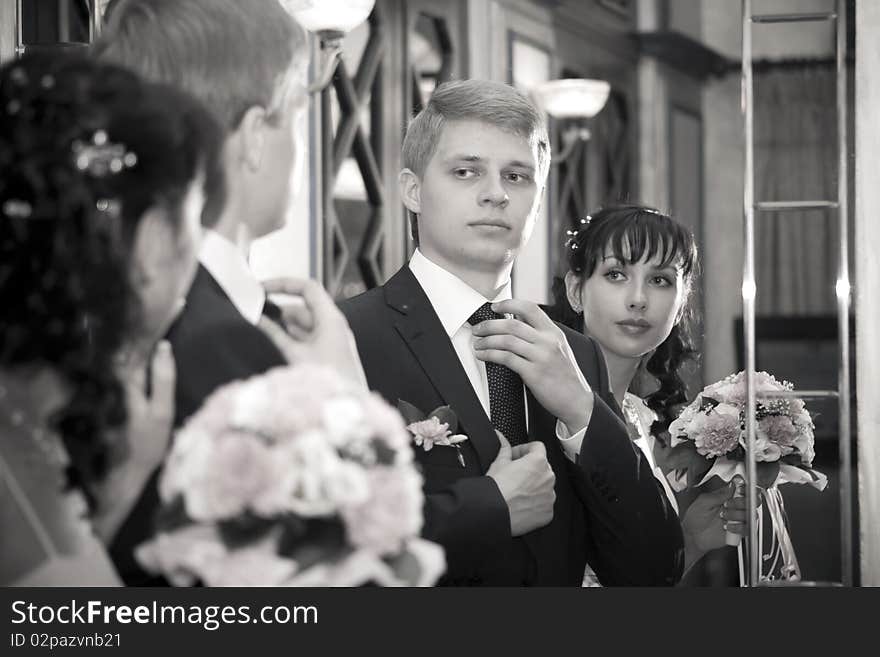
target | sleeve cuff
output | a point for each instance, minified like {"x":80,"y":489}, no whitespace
{"x":571,"y":444}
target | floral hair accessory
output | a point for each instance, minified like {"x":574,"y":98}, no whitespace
{"x":102,"y":157}
{"x":108,"y":207}
{"x":18,"y":76}
{"x":571,"y":242}
{"x":436,"y":428}
{"x":17,"y":209}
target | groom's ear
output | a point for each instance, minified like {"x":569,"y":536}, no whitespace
{"x":410,"y":190}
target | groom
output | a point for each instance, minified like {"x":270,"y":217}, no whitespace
{"x":444,"y":330}
{"x":247,"y":61}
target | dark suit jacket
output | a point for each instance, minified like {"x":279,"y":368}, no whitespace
{"x":609,"y":507}
{"x":213,"y":344}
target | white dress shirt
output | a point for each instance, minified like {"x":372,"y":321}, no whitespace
{"x":455,"y":301}
{"x":226,"y":263}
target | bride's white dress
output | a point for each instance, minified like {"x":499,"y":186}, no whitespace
{"x":639,"y":419}
{"x":45,"y":536}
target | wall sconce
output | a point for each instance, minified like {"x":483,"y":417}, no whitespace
{"x":572,"y":99}
{"x":330,"y":20}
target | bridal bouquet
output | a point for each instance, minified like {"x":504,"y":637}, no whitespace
{"x":712,"y":432}
{"x":292,"y":478}
{"x":708,"y":440}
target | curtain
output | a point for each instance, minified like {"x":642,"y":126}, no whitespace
{"x":796,"y":160}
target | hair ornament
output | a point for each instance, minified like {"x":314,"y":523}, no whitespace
{"x":102,"y":157}
{"x":108,"y":206}
{"x":18,"y":76}
{"x":17,"y":209}
{"x":571,"y":242}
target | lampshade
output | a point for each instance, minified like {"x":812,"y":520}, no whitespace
{"x":572,"y":98}
{"x":329,"y":15}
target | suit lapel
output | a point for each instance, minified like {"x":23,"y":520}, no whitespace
{"x":422,"y":331}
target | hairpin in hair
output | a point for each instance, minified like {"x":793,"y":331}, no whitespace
{"x":18,"y":76}
{"x":102,"y":157}
{"x":108,"y":206}
{"x":571,"y":242}
{"x":17,"y":209}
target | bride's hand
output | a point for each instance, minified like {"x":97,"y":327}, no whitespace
{"x":150,"y":418}
{"x":708,"y":517}
{"x":146,"y":434}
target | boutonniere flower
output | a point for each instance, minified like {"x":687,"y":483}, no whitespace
{"x":436,"y":428}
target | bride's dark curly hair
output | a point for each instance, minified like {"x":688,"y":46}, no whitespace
{"x":633,"y":232}
{"x":85,"y":149}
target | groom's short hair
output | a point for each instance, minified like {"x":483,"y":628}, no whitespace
{"x":230,"y":54}
{"x":495,"y":103}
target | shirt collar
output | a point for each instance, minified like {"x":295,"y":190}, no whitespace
{"x":453,"y":300}
{"x":225,"y":262}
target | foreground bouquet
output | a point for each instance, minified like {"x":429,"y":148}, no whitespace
{"x":292,"y":478}
{"x":709,"y":440}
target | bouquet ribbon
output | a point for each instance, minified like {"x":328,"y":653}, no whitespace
{"x":782,"y":545}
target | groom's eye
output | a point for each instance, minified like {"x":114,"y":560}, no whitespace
{"x":517,"y":177}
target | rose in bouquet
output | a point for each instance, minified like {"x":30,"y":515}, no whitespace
{"x":708,"y":441}
{"x":292,"y":478}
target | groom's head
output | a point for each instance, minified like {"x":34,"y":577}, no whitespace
{"x":475,"y":163}
{"x":247,"y":62}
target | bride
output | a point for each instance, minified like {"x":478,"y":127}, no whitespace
{"x":630,"y":273}
{"x":102,"y":186}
